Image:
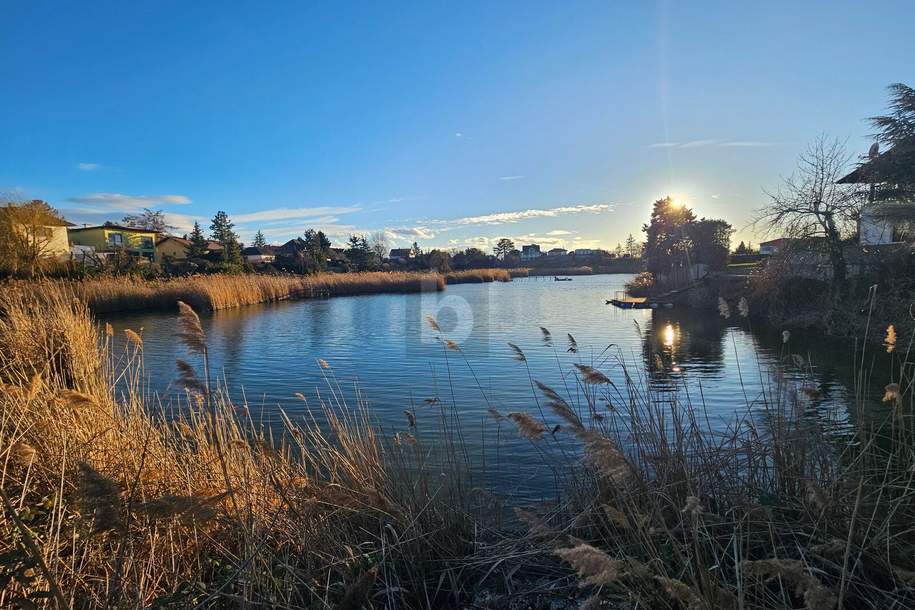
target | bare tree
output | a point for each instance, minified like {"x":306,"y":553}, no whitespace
{"x":378,"y":243}
{"x":810,"y":204}
{"x":149,"y":220}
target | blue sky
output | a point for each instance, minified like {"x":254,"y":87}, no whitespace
{"x":449,"y":123}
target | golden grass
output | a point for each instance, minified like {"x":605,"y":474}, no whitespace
{"x":478,"y":276}
{"x":221,"y":291}
{"x":122,"y":507}
{"x":109,"y":503}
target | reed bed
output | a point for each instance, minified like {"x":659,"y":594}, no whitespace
{"x":110,"y":502}
{"x":222,"y":291}
{"x":477,"y":276}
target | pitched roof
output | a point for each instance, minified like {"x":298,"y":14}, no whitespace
{"x":211,"y":244}
{"x":252,"y":250}
{"x":114,"y":226}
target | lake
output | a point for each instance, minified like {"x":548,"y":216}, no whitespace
{"x":382,"y":350}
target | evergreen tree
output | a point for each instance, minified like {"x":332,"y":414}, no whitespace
{"x":259,"y":240}
{"x":222,"y":231}
{"x":198,"y":245}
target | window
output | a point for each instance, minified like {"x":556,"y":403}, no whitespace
{"x":146,"y":243}
{"x":115,"y":240}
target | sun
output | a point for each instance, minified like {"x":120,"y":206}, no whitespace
{"x":677,"y":201}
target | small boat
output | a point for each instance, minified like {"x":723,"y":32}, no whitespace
{"x":632,"y":303}
{"x":556,"y":278}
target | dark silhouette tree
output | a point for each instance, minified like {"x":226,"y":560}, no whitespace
{"x":198,"y":246}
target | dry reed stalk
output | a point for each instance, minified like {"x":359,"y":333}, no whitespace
{"x":528,"y":427}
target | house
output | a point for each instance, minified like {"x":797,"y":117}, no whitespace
{"x":169,"y":247}
{"x":584,"y":252}
{"x":258,"y":254}
{"x":43,"y":229}
{"x":110,"y":237}
{"x":557,"y":252}
{"x":768,"y":248}
{"x":401,"y":254}
{"x":883,"y":219}
{"x":886,"y":222}
{"x":530,"y":252}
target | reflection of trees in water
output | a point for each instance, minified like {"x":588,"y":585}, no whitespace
{"x":674,"y":338}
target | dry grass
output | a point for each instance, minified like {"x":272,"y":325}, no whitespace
{"x":108,"y":502}
{"x":222,"y":291}
{"x":474,"y":276}
{"x":121,"y":506}
{"x":212,"y":292}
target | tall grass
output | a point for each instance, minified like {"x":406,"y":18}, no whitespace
{"x":474,"y":276}
{"x":220,"y":291}
{"x":111,"y":504}
{"x":108,"y":502}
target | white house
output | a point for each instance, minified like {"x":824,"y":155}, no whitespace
{"x":530,"y":252}
{"x":557,"y":252}
{"x":583,"y":252}
{"x":255,"y":255}
{"x":883,"y":220}
{"x":886,"y":222}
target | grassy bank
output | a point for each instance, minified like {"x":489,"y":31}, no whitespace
{"x":110,"y":504}
{"x":220,"y":291}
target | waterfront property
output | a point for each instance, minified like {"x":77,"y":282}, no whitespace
{"x":170,"y":247}
{"x":530,"y":252}
{"x":400,"y":255}
{"x":107,"y":238}
{"x":43,"y":231}
{"x":258,"y":254}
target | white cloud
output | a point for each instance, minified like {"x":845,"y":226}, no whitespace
{"x":119,"y":201}
{"x":88,"y":167}
{"x":458,"y":134}
{"x":507,"y":178}
{"x":291,"y":213}
{"x":560,"y":232}
{"x":698,"y":143}
{"x":508,"y":217}
{"x":664,"y":145}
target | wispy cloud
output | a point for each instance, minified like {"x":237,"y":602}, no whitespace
{"x":119,"y":201}
{"x":516,"y":216}
{"x":508,"y":178}
{"x":559,"y":233}
{"x":703,"y":143}
{"x":699,"y":143}
{"x":88,"y":167}
{"x":293,"y":213}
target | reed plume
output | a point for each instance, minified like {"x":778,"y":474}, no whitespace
{"x":890,"y":341}
{"x":519,"y":355}
{"x":190,"y":330}
{"x":573,"y":344}
{"x":133,"y":337}
{"x":591,"y":375}
{"x":795,"y":572}
{"x":593,"y":565}
{"x":528,"y":427}
{"x":560,"y":406}
{"x":547,"y":337}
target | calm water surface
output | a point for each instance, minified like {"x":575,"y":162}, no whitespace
{"x":381,"y":349}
